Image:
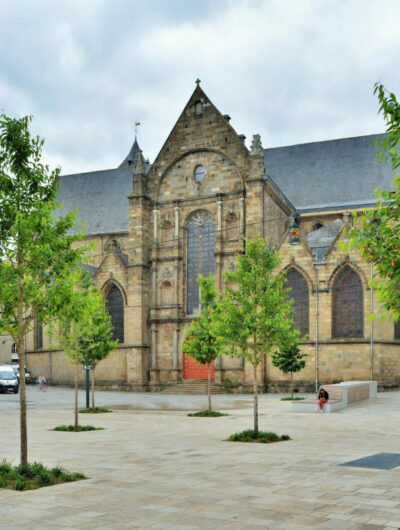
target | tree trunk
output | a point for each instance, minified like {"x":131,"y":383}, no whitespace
{"x":291,"y":383}
{"x":93,"y":387}
{"x":209,"y":387}
{"x":255,"y":398}
{"x":76,"y":394}
{"x":22,"y":387}
{"x":76,"y":375}
{"x":22,"y":402}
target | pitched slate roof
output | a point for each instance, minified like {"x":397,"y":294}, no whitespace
{"x":101,"y":197}
{"x":332,"y":173}
{"x":89,"y":268}
{"x":313,"y":176}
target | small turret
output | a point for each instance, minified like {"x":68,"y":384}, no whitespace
{"x":256,"y":146}
{"x":139,"y":163}
{"x":257,"y":168}
{"x":130,"y":159}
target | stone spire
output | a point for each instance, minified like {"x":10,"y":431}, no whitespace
{"x":130,"y":159}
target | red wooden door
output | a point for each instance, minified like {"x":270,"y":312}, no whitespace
{"x":194,"y":370}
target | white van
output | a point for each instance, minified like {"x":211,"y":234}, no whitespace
{"x":8,"y":380}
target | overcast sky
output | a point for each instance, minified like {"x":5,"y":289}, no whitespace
{"x":294,"y":71}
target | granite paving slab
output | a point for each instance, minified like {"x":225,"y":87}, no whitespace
{"x":153,"y":467}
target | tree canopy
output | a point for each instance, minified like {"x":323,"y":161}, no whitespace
{"x":376,"y":233}
{"x":255,"y":316}
{"x":289,"y":360}
{"x":36,"y":246}
{"x":202,"y":343}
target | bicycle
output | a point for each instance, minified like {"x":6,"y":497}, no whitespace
{"x":42,"y":386}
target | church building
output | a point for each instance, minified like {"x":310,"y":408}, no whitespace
{"x":155,"y":226}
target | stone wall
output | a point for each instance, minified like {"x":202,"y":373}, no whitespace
{"x":153,"y":275}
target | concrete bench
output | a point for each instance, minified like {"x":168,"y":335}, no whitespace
{"x":341,"y":395}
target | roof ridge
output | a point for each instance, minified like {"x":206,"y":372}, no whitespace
{"x":325,"y":141}
{"x":95,"y":171}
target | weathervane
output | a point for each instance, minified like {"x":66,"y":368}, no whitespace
{"x":137,"y":123}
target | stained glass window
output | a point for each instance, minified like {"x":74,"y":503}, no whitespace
{"x":115,"y":307}
{"x":200,"y":255}
{"x":347,"y":305}
{"x":299,"y":294}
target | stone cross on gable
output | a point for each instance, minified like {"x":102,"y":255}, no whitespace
{"x":198,"y":81}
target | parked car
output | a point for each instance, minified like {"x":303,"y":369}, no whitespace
{"x":15,"y":367}
{"x":8,"y":380}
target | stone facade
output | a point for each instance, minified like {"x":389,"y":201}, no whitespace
{"x":148,"y":263}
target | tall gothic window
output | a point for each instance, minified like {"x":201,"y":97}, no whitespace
{"x":115,"y":307}
{"x":397,"y":330}
{"x":200,"y":255}
{"x":347,"y":305}
{"x":38,"y":335}
{"x":299,"y":294}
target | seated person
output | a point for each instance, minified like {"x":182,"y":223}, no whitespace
{"x":323,"y":397}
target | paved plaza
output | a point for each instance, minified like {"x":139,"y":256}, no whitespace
{"x":154,"y":467}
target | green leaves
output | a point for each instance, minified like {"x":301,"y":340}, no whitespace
{"x":390,"y":108}
{"x":376,"y":233}
{"x":36,"y":249}
{"x":202,"y":340}
{"x":85,"y":328}
{"x":255,"y":316}
{"x":289,"y":359}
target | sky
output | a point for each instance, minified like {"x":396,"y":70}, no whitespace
{"x":294,"y":71}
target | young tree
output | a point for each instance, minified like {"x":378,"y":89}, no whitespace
{"x":201,"y":343}
{"x":95,"y":336}
{"x":376,"y":233}
{"x":84,"y":326}
{"x":36,"y":251}
{"x":289,"y":359}
{"x":255,"y":317}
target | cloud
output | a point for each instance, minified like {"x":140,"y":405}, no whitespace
{"x":294,"y":71}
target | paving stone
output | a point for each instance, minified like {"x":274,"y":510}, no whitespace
{"x":134,"y":483}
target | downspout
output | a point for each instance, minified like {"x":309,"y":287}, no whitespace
{"x":315,"y":265}
{"x":371,"y":375}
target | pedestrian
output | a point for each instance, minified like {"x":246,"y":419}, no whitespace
{"x":41,"y":382}
{"x":323,"y":397}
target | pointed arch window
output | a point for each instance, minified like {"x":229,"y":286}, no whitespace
{"x":300,"y":296}
{"x":347,"y":305}
{"x":200,"y":256}
{"x":115,"y":308}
